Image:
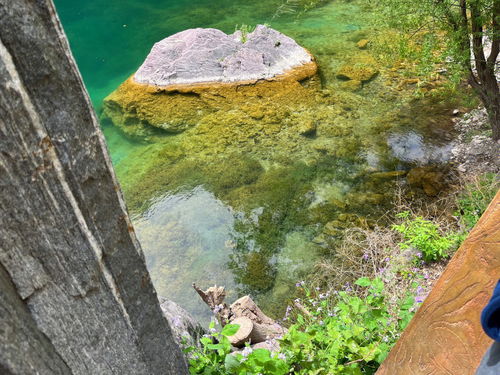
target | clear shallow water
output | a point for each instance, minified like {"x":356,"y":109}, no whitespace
{"x":252,"y":216}
{"x":174,"y":246}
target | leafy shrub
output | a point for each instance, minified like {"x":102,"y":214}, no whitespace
{"x":475,"y":198}
{"x":350,"y":332}
{"x":424,"y":236}
{"x":215,"y":358}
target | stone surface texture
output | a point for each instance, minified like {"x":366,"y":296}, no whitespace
{"x":445,"y":336}
{"x":209,"y":55}
{"x":76,"y":297}
{"x":183,"y":325}
{"x":474,"y":149}
{"x":202,"y":72}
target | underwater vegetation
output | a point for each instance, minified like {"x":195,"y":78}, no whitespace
{"x":266,"y":184}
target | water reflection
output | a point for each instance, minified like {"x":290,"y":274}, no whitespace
{"x":412,"y":147}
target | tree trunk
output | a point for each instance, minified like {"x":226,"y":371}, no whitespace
{"x":484,"y":80}
{"x":489,"y":93}
{"x":494,"y":116}
{"x":76,"y":297}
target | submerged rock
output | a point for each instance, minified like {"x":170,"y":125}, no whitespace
{"x":357,"y":72}
{"x":362,"y":44}
{"x":428,"y":178}
{"x":198,"y":72}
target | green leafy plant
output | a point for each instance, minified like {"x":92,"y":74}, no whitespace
{"x":215,"y":347}
{"x":348,"y":332}
{"x":216,"y":358}
{"x":475,"y":198}
{"x":425,"y":237}
{"x":245,"y":30}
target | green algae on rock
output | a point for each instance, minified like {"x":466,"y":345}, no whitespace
{"x":200,"y":72}
{"x":284,"y":157}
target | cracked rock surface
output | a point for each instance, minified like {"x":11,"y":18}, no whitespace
{"x":209,"y":55}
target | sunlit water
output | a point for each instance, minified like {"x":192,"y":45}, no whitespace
{"x":258,"y":238}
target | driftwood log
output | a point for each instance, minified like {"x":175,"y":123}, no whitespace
{"x":255,"y":326}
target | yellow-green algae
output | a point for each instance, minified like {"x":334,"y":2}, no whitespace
{"x":295,"y":172}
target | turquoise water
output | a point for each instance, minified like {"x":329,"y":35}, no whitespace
{"x":111,"y":38}
{"x":263,"y":227}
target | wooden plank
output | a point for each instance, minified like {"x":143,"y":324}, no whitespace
{"x":445,"y":336}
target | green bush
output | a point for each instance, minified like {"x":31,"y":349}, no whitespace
{"x":425,"y":237}
{"x":350,"y":332}
{"x":475,"y":198}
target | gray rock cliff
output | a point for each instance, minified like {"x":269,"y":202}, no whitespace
{"x":76,"y":297}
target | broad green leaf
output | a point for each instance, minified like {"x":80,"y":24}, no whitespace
{"x":231,"y":363}
{"x":230,"y":329}
{"x":363,"y":281}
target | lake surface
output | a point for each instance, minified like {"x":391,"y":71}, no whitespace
{"x":256,"y":216}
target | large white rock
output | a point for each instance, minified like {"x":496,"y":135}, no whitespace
{"x":209,"y":55}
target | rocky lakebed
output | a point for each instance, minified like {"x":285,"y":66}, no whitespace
{"x":253,"y":165}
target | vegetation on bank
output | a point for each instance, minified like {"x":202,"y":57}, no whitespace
{"x":460,"y":39}
{"x":351,"y":329}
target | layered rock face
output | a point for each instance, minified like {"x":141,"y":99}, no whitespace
{"x":200,"y":71}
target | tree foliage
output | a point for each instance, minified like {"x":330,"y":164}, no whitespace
{"x":473,"y":39}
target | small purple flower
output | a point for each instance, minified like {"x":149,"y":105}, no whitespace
{"x":419,"y":299}
{"x":282,"y":356}
{"x":419,"y":255}
{"x":218,"y":308}
{"x":387,"y":259}
{"x":426,"y":276}
{"x":381,"y":270}
{"x":317,"y":288}
{"x":247,"y":351}
{"x":365,"y":256}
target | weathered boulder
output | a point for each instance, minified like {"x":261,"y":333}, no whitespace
{"x":199,"y":72}
{"x":197,"y":56}
{"x":185,"y":329}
